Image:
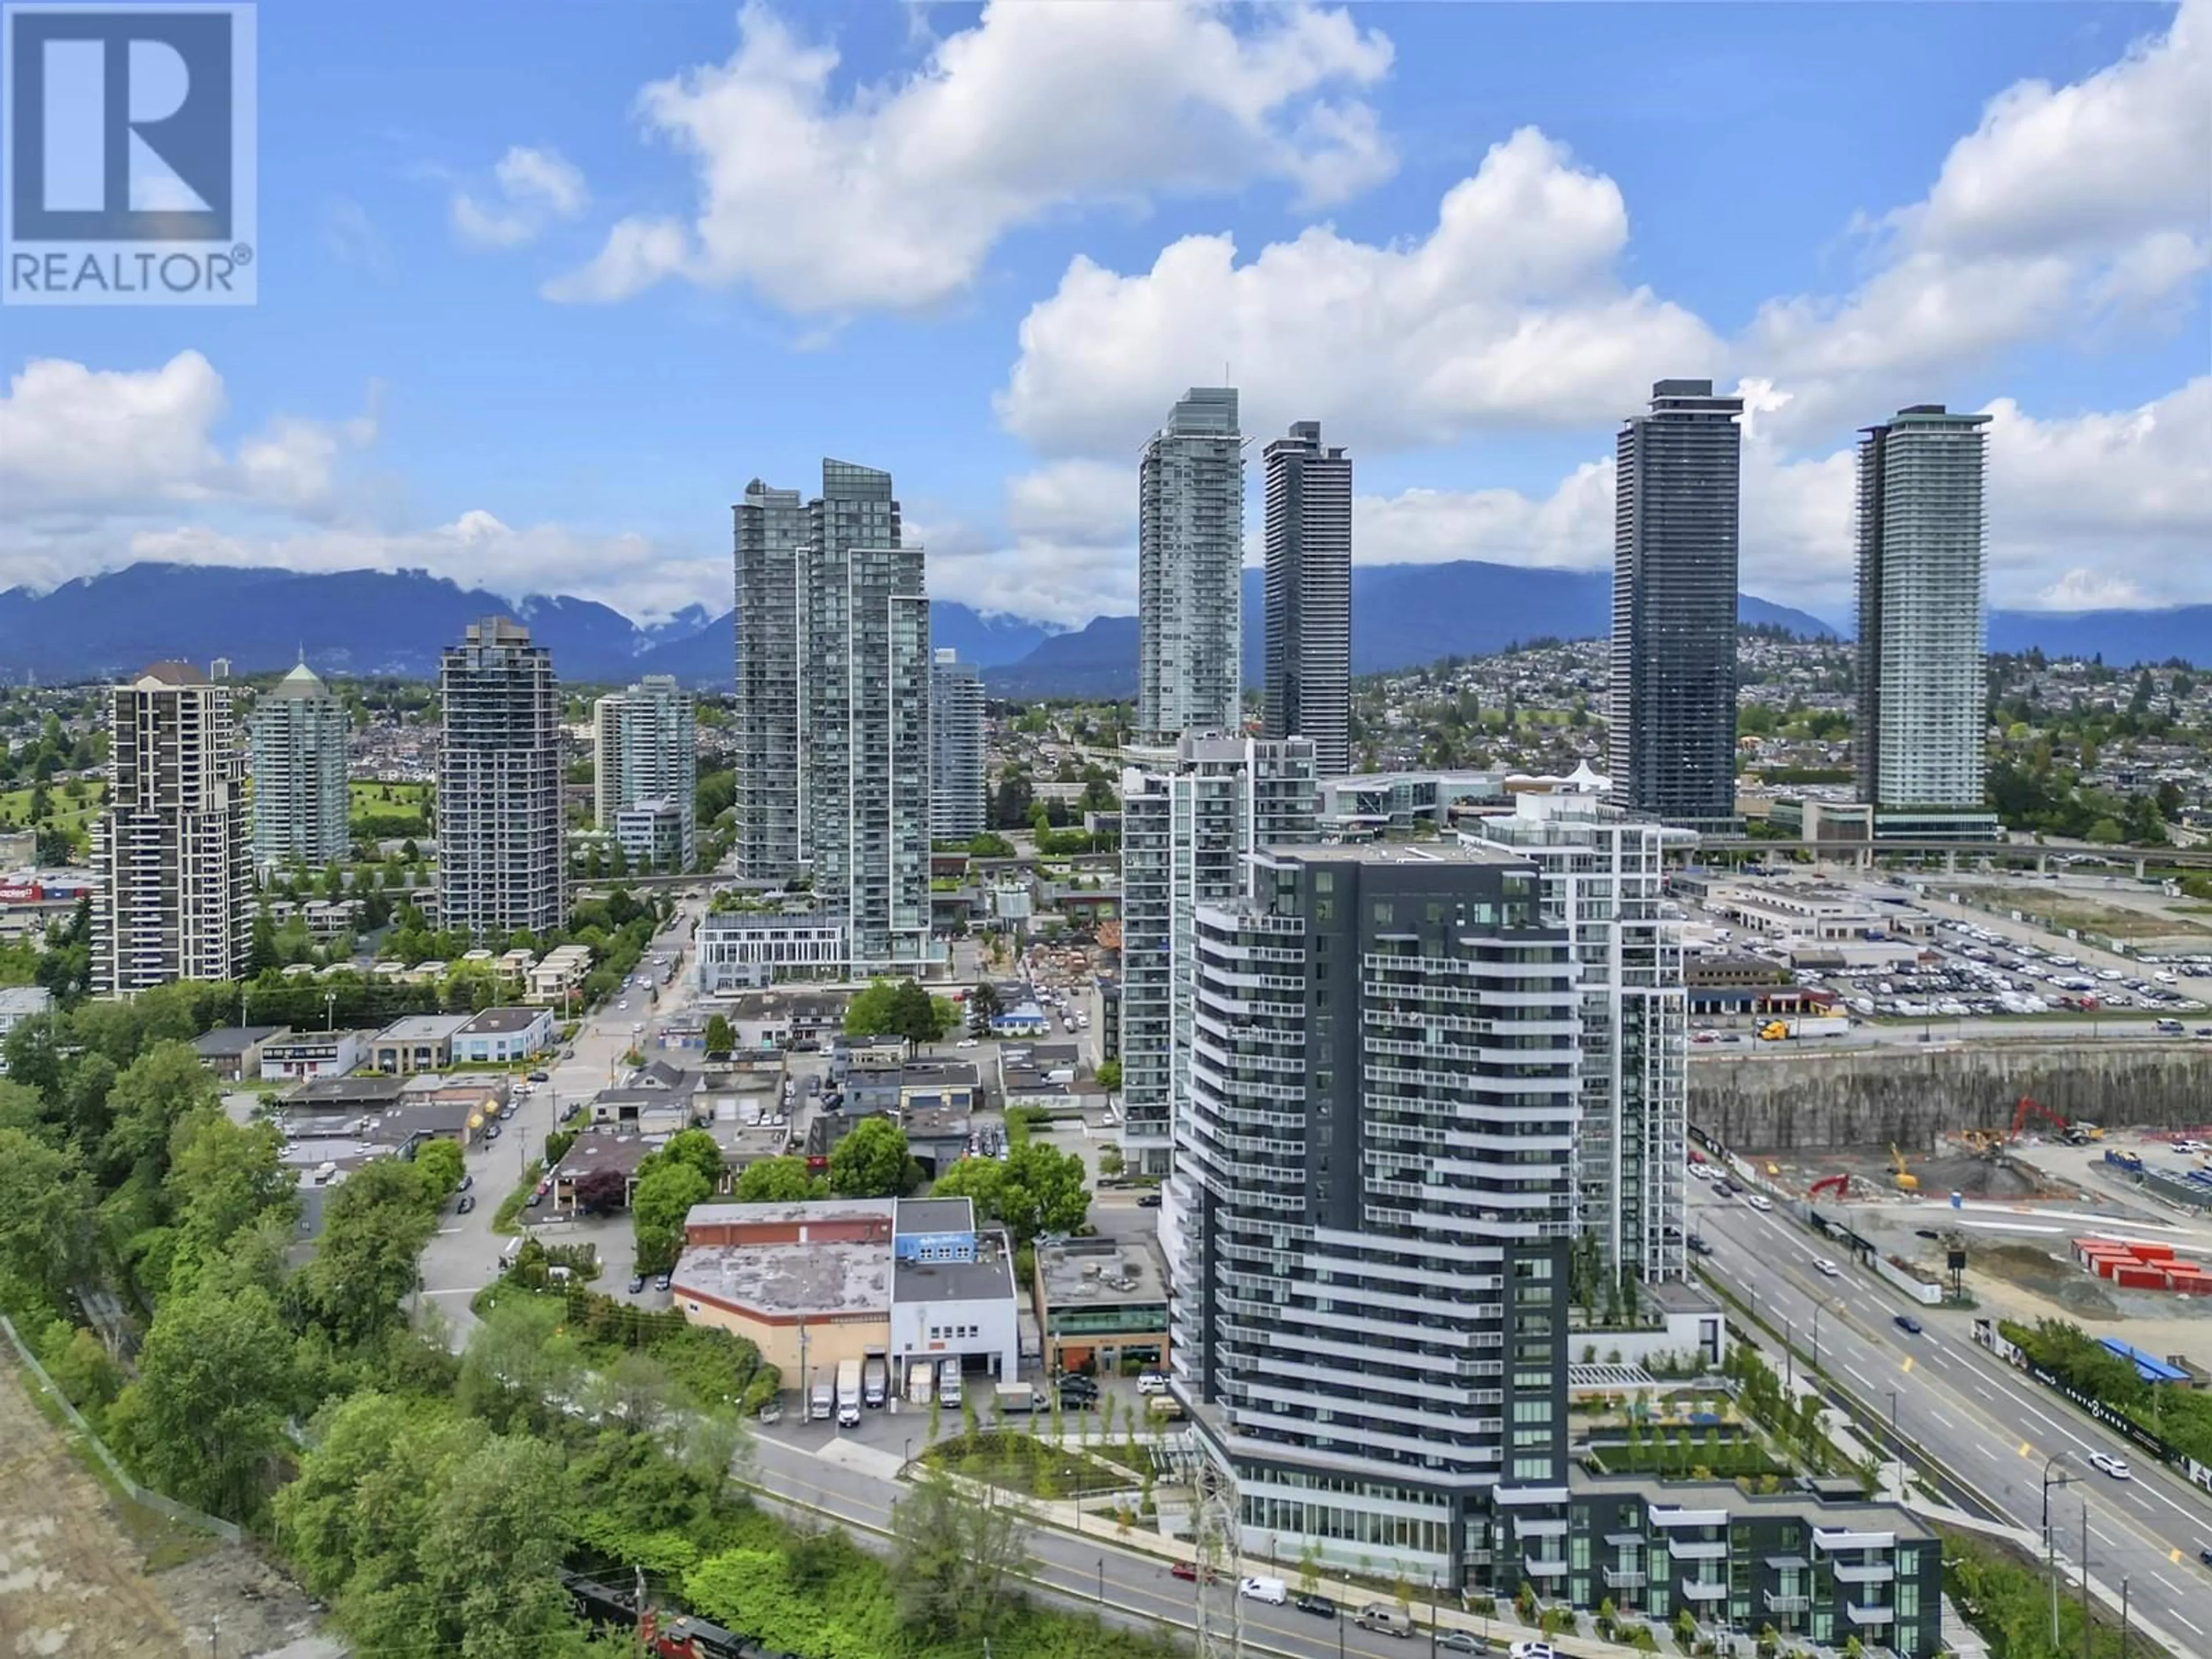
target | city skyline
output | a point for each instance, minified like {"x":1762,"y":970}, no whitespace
{"x":1932,"y":258}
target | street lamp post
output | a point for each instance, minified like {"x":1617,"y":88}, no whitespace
{"x":1101,"y":1581}
{"x":1896,"y":1445}
{"x":2049,"y":1538}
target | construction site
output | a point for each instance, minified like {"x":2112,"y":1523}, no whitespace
{"x":2048,"y":1213}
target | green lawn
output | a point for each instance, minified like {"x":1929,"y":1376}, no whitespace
{"x":62,"y":812}
{"x":365,"y":794}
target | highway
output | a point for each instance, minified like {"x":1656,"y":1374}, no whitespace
{"x":1139,"y":1590}
{"x":1990,"y":1425}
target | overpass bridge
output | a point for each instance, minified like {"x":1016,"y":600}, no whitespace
{"x":2039,"y":854}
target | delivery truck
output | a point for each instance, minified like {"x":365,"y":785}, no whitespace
{"x":875,"y":1375}
{"x":848,"y":1393}
{"x":821,"y":1401}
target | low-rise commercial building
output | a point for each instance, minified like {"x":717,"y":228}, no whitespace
{"x":313,"y":1053}
{"x":1102,"y":1304}
{"x":597,"y":1151}
{"x":233,"y":1052}
{"x":812,"y":1283}
{"x":785,"y":1022}
{"x":658,"y":1101}
{"x":559,"y":975}
{"x":502,"y":1036}
{"x":420,"y":1043}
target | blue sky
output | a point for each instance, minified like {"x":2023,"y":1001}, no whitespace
{"x":542,"y":286}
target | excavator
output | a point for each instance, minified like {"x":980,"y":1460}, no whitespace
{"x":1840,"y":1185}
{"x":2074,"y":1134}
{"x":1906,"y":1180}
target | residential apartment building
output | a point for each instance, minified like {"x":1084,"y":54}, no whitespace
{"x":297,"y":742}
{"x":1191,"y":818}
{"x":1819,"y":1564}
{"x":865,"y":745}
{"x":771,"y":531}
{"x":1602,"y":877}
{"x":956,"y":750}
{"x":171,"y":850}
{"x":646,"y":753}
{"x":1920,"y":736}
{"x":1373,"y":1199}
{"x":1673,"y":684}
{"x":1308,"y":596}
{"x":501,"y":867}
{"x":1190,"y":558}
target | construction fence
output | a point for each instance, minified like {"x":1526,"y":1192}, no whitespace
{"x":181,"y":1513}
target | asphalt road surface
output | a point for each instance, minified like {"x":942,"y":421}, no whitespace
{"x":463,"y":1257}
{"x":1990,"y":1425}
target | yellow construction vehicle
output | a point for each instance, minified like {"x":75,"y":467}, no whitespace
{"x":1906,"y":1180}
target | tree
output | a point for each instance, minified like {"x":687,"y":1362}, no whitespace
{"x":664,"y":1195}
{"x":984,"y":1006}
{"x":952,"y":1557}
{"x":490,"y":1551}
{"x":698,"y":1149}
{"x":522,"y":1362}
{"x":1110,"y":1075}
{"x":977,"y":1179}
{"x":46,"y":1220}
{"x":893,"y":1008}
{"x":1041,"y":1191}
{"x":156,"y":1090}
{"x":364,"y":1497}
{"x":224,"y":1178}
{"x":720,"y":1038}
{"x":374,"y":1226}
{"x":871,"y":1161}
{"x":776,"y":1181}
{"x":204,"y":1422}
{"x":441,"y":1165}
{"x":601,"y":1192}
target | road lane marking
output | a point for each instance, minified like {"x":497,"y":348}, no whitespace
{"x":1940,"y":1417}
{"x":2183,"y":1619}
{"x":1863,"y":1378}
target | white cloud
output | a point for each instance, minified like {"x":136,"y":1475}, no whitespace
{"x":2123,"y":154}
{"x":74,"y":438}
{"x":1509,"y":313}
{"x":535,"y":186}
{"x":2089,"y":590}
{"x":892,"y":197}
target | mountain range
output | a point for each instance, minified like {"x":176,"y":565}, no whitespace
{"x":395,"y":622}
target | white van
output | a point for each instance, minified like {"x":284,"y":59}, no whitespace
{"x":948,"y":1382}
{"x":1274,"y":1591}
{"x":1152,"y":1382}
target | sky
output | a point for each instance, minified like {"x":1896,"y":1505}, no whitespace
{"x":543,"y":287}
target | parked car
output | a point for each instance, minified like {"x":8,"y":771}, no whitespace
{"x":636,"y":1283}
{"x":661,"y":1283}
{"x":491,"y":1132}
{"x":1697,"y":1244}
{"x":1320,"y":1606}
{"x":1908,"y":1324}
{"x":1148,"y":1202}
{"x":1152,"y":1382}
{"x":535,"y":1199}
{"x":467,"y":1182}
{"x":772,"y":1413}
{"x":468,"y":1202}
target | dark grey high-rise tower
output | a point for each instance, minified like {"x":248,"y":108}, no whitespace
{"x":1308,"y":673}
{"x":1672,"y":686}
{"x":771,"y":542}
{"x":1372,"y":1204}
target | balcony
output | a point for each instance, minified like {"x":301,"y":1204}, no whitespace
{"x":1788,"y":1605}
{"x":1544,"y":1567}
{"x":1700,"y":1589}
{"x":1624,"y":1577}
{"x":1869,"y":1612}
{"x":1692,"y":1549}
{"x":1865,"y":1572}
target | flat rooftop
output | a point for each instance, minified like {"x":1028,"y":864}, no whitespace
{"x":424,"y":1028}
{"x":936,"y":1215}
{"x":1101,"y":1273}
{"x":1858,"y":1515}
{"x":1397,"y":851}
{"x":798,"y":1210}
{"x":810,"y":1280}
{"x":989,"y":1277}
{"x":1670,"y":1297}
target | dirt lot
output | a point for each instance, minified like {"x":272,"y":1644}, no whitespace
{"x":91,"y":1577}
{"x":2145,"y":920}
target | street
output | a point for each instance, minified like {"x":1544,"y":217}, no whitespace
{"x":463,"y":1255}
{"x":1990,"y":1425}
